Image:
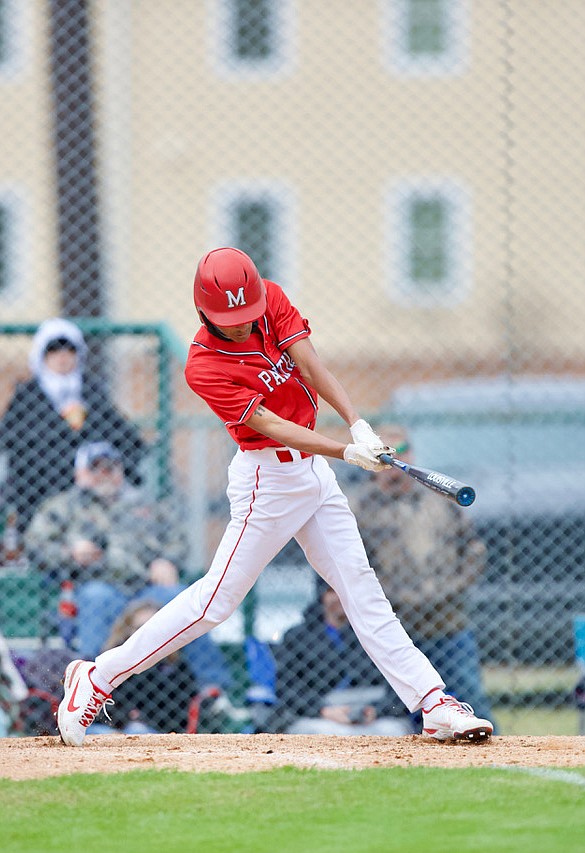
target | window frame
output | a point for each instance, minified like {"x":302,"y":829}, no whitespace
{"x":227,"y":194}
{"x":400,"y":286}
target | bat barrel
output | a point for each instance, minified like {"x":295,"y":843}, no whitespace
{"x":465,"y":496}
{"x":459,"y":492}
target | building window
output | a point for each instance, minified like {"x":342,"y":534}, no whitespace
{"x":12,"y":250}
{"x":426,"y":27}
{"x":429,"y":243}
{"x":258,"y":219}
{"x":255,"y":222}
{"x":253,"y":29}
{"x":425,"y":36}
{"x":3,"y":248}
{"x":14,"y":20}
{"x":3,"y":33}
{"x":252,"y":37}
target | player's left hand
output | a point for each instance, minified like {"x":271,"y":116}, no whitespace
{"x":362,"y":433}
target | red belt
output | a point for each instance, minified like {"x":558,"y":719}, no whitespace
{"x":286,"y":455}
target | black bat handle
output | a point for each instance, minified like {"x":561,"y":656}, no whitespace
{"x":387,"y":459}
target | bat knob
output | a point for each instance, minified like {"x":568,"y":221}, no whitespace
{"x":465,"y":496}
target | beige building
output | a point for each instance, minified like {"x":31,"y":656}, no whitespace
{"x":410,"y":170}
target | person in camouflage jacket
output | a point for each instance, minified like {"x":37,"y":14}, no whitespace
{"x":116,"y":545}
{"x":426,"y":556}
{"x":109,"y":539}
{"x":104,"y":529}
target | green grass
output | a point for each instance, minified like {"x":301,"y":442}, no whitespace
{"x":289,"y":810}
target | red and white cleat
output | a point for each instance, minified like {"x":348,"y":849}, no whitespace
{"x":82,"y":702}
{"x":450,"y":719}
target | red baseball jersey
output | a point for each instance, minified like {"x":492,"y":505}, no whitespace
{"x":235,"y":378}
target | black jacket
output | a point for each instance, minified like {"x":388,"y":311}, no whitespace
{"x":310,"y":665}
{"x":42,"y":446}
{"x":159,"y":697}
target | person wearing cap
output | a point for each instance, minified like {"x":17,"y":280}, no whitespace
{"x":115,"y":544}
{"x":52,"y":414}
{"x":426,"y":555}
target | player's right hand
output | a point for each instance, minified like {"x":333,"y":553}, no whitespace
{"x":366,"y":456}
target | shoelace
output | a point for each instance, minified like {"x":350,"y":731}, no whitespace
{"x":463,"y":707}
{"x":94,"y":706}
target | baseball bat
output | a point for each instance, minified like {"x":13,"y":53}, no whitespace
{"x":454,"y":490}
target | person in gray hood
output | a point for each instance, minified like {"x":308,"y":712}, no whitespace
{"x":59,"y":408}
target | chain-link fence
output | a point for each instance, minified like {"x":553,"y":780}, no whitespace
{"x":411,"y":172}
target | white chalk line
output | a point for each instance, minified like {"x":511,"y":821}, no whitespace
{"x":308,"y":761}
{"x":548,"y":773}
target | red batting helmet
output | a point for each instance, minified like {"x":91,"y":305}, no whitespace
{"x":228,"y":288}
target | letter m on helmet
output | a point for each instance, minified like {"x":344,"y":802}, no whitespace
{"x":228,"y":289}
{"x":238,"y":299}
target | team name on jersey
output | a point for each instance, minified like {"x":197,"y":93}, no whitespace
{"x":278,"y":374}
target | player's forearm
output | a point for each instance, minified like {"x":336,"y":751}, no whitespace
{"x":289,"y":434}
{"x":331,"y":390}
{"x":322,"y":380}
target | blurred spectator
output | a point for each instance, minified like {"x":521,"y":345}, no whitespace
{"x":43,"y":674}
{"x":580,"y":702}
{"x":52,"y":414}
{"x":168,"y":697}
{"x":114,"y":545}
{"x":426,"y":556}
{"x":13,"y":691}
{"x":327,"y":684}
{"x":155,"y":701}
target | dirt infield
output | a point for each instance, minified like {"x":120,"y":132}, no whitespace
{"x":35,"y":758}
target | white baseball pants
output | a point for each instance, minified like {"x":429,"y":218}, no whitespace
{"x":272,"y":502}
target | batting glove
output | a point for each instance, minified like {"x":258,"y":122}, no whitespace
{"x":366,"y":456}
{"x":362,"y":433}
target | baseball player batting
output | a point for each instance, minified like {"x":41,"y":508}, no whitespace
{"x":253,"y":363}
